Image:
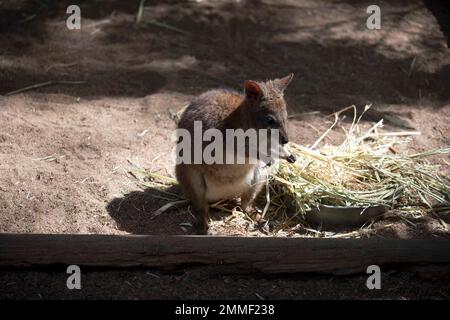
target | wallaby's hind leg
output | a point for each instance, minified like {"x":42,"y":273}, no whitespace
{"x":201,"y":225}
{"x":194,"y":189}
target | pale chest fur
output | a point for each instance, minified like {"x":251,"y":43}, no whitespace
{"x":230,"y":181}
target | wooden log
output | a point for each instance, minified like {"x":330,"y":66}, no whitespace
{"x":235,"y":254}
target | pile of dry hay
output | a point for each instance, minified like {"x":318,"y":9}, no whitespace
{"x":364,"y":170}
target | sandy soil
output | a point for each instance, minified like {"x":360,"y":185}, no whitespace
{"x":136,"y":75}
{"x":66,"y":150}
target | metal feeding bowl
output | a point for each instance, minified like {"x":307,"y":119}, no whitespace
{"x":338,"y":216}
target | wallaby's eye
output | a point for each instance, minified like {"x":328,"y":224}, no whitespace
{"x":271,"y":121}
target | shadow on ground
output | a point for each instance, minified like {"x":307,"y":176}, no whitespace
{"x":133,"y":213}
{"x":200,"y":46}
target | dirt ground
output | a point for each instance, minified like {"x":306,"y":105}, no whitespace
{"x":66,"y":150}
{"x":207,"y":283}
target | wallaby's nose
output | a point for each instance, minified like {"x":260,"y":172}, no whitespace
{"x":291,"y":158}
{"x":284,"y":140}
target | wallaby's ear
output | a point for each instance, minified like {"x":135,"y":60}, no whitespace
{"x":282,"y":83}
{"x":252,"y":90}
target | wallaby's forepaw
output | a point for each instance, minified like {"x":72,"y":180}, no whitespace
{"x":251,"y":210}
{"x":254,"y":212}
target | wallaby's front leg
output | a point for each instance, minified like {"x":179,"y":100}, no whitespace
{"x":248,"y":197}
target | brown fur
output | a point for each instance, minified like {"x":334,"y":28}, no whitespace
{"x":221,"y":109}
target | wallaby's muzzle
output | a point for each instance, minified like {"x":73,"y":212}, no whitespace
{"x":291,"y":158}
{"x":286,"y":155}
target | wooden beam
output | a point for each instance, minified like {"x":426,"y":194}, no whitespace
{"x":236,"y":254}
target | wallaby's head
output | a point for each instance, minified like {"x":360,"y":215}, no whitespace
{"x":266,"y":108}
